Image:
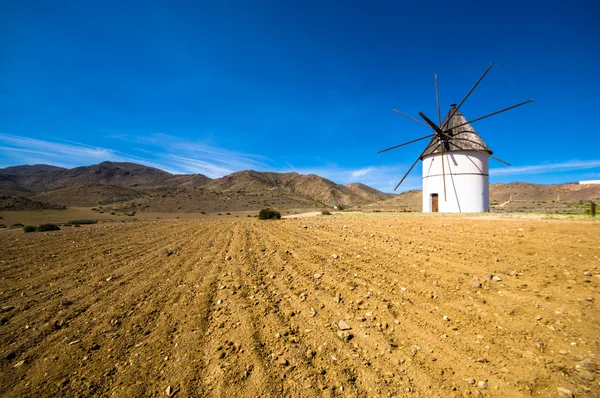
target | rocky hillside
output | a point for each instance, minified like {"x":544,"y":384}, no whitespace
{"x":571,"y":192}
{"x":88,"y":195}
{"x":11,"y":203}
{"x":368,"y":193}
{"x":145,"y":187}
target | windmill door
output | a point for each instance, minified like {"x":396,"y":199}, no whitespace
{"x":434,"y":202}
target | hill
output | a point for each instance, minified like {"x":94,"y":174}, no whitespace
{"x":42,"y":178}
{"x":368,"y":193}
{"x":10,"y":203}
{"x":141,"y":187}
{"x":30,"y":169}
{"x":309,"y":186}
{"x":88,"y":195}
{"x":570,"y":192}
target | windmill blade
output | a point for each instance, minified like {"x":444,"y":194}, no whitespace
{"x":431,"y":124}
{"x":411,"y":118}
{"x":413,"y":165}
{"x":409,"y":170}
{"x":406,"y":143}
{"x":468,"y":94}
{"x":443,"y":172}
{"x":500,"y":160}
{"x":437,"y":99}
{"x":493,"y":113}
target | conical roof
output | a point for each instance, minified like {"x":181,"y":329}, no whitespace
{"x":463,"y":138}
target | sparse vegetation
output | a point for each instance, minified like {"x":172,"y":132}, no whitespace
{"x":269,"y":214}
{"x":41,"y":228}
{"x":73,"y":222}
{"x":48,"y":227}
{"x":326,"y":212}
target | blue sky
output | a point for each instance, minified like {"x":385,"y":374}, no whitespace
{"x":214,"y":87}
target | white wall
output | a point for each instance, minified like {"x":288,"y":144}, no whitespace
{"x":467,"y":182}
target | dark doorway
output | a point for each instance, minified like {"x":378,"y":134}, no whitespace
{"x":434,"y":202}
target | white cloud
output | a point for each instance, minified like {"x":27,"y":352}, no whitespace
{"x":362,"y":172}
{"x":546,"y":168}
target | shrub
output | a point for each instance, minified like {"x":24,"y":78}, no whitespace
{"x":29,"y":228}
{"x":72,"y":222}
{"x":2,"y":226}
{"x":17,"y":225}
{"x":326,"y":212}
{"x":48,"y":227}
{"x":269,"y":214}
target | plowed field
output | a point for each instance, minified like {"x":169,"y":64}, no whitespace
{"x":256,"y":308}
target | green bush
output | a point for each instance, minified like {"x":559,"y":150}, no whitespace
{"x":73,"y":222}
{"x":2,"y":226}
{"x":48,"y":227}
{"x":29,"y":228}
{"x":269,"y":214}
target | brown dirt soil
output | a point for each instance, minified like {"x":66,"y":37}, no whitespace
{"x":248,"y":308}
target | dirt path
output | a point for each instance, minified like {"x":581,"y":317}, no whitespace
{"x":249,"y":308}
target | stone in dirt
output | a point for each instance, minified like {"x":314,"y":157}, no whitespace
{"x":564,"y":393}
{"x":482,"y":384}
{"x":346,"y":336}
{"x":475,"y":283}
{"x":342,"y":325}
{"x":317,"y":276}
{"x":497,"y":278}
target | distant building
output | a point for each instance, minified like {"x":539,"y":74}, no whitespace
{"x":589,"y":182}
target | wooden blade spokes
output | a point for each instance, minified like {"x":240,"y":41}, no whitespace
{"x":406,"y":143}
{"x":431,"y":124}
{"x":437,"y":99}
{"x":443,"y":172}
{"x":500,"y":160}
{"x":414,"y":164}
{"x":408,"y":172}
{"x":411,"y":118}
{"x":493,"y":113}
{"x":468,"y":94}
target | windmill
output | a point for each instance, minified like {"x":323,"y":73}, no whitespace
{"x":455,"y":162}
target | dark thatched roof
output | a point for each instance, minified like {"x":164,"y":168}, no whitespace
{"x":463,"y":138}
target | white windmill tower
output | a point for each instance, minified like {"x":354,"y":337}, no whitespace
{"x":455,"y":162}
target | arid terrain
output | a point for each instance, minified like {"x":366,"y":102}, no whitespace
{"x":345,"y":305}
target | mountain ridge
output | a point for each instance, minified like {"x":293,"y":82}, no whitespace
{"x":116,"y":182}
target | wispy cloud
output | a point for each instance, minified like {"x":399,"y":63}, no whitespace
{"x":54,"y":149}
{"x":179,"y":156}
{"x":546,"y":168}
{"x":162,"y":151}
{"x":362,"y":172}
{"x":195,"y":157}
